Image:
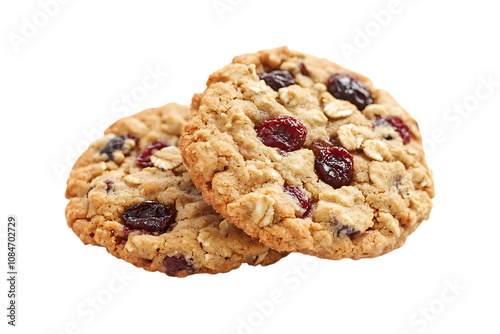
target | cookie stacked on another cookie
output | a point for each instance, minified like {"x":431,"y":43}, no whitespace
{"x":307,"y":156}
{"x":293,"y":152}
{"x":130,"y":192}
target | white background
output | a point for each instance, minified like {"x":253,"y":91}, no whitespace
{"x":67,"y":76}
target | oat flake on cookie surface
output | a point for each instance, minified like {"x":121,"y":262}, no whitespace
{"x":130,"y":193}
{"x":307,"y":156}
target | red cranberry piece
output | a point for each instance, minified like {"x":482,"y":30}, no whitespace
{"x":143,"y":159}
{"x":347,"y":87}
{"x":301,"y":197}
{"x":303,"y":69}
{"x":278,"y":79}
{"x":397,"y":124}
{"x":116,"y":144}
{"x":174,"y":264}
{"x":150,"y":216}
{"x":284,"y":133}
{"x":334,"y":165}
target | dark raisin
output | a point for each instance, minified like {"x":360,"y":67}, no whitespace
{"x":284,"y":133}
{"x":88,"y":191}
{"x":116,"y":144}
{"x":143,"y":160}
{"x":345,"y":230}
{"x":278,"y":79}
{"x":334,"y":165}
{"x":174,"y":264}
{"x":301,"y":198}
{"x":303,"y":69}
{"x":397,"y":124}
{"x":347,"y":87}
{"x":150,"y":216}
{"x":109,"y":185}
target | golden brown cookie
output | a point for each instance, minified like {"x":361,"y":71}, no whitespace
{"x":307,"y":156}
{"x":130,"y":192}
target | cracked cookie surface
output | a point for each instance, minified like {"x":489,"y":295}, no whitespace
{"x":130,"y":192}
{"x":353,"y":184}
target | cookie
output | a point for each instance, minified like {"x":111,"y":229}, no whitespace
{"x":307,"y":156}
{"x":130,"y":192}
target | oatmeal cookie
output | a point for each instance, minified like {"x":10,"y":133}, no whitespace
{"x":130,"y":193}
{"x":307,"y":156}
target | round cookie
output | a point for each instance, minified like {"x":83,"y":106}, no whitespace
{"x":130,"y":192}
{"x":307,"y":156}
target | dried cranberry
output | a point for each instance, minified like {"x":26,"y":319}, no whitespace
{"x":143,"y":160}
{"x":397,"y":124}
{"x":278,"y":79}
{"x":174,"y":264}
{"x":334,"y":165}
{"x":301,"y":197}
{"x":347,"y":87}
{"x":150,"y":216}
{"x":303,"y":69}
{"x":284,"y":133}
{"x":116,"y":144}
